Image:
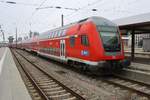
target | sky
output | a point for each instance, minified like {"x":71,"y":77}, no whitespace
{"x":24,"y":16}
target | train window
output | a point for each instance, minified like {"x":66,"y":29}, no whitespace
{"x":46,"y":50}
{"x":72,"y":41}
{"x":84,"y":40}
{"x":63,"y":33}
{"x":50,"y":35}
{"x":59,"y":33}
{"x":56,"y":34}
{"x":54,"y":51}
{"x":50,"y":50}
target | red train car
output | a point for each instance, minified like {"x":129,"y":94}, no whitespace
{"x":91,"y":43}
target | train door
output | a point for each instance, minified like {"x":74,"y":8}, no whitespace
{"x":62,"y":49}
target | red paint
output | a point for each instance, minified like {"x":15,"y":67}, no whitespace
{"x":95,"y":48}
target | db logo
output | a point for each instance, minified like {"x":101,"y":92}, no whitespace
{"x":113,"y":57}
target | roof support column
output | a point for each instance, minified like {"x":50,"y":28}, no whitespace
{"x":132,"y":45}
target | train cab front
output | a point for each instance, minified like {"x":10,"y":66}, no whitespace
{"x":112,"y":52}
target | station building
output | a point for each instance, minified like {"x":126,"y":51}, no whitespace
{"x":138,"y":40}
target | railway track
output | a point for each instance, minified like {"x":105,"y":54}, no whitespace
{"x":140,"y":88}
{"x":47,"y":86}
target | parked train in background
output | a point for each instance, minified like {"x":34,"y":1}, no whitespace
{"x":93,"y":43}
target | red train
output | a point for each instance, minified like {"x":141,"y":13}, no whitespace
{"x":92,"y":43}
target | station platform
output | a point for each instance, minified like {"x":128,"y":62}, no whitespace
{"x":12,"y":86}
{"x":139,"y":52}
{"x":139,"y":66}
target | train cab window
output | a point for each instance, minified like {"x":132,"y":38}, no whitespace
{"x":72,"y":41}
{"x":84,"y":40}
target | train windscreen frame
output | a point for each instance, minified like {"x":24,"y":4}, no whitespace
{"x":110,"y":38}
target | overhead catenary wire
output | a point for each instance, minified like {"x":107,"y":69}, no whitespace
{"x":89,"y":4}
{"x":25,"y":4}
{"x":58,"y":7}
{"x":19,"y":3}
{"x":76,"y":10}
{"x":97,"y":10}
{"x":83,"y":7}
{"x":34,"y":12}
{"x":38,"y":7}
{"x":96,"y":2}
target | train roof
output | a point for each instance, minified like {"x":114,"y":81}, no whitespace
{"x":102,"y":21}
{"x":99,"y":21}
{"x":96,"y":19}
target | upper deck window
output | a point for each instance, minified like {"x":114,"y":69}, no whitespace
{"x":53,"y":34}
{"x":63,"y":33}
{"x":59,"y":32}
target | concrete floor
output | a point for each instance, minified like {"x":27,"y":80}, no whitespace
{"x":11,"y":84}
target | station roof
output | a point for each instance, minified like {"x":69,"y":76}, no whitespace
{"x":139,"y":23}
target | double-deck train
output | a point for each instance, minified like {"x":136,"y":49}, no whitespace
{"x":91,"y":43}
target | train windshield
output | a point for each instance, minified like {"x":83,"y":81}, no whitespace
{"x":110,"y":38}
